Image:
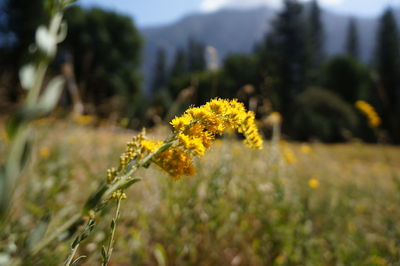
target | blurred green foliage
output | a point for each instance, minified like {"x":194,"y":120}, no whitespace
{"x":323,"y":115}
{"x":348,"y":78}
{"x":105,"y":48}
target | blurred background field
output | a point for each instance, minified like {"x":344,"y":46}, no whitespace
{"x":288,"y":204}
{"x":322,"y":78}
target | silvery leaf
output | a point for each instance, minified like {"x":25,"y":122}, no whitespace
{"x":46,"y":41}
{"x":52,"y":94}
{"x":27,"y":76}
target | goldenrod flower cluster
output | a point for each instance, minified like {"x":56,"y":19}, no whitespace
{"x":193,"y":134}
{"x":198,"y":126}
{"x":368,"y":110}
{"x":196,"y":130}
{"x":134,"y":150}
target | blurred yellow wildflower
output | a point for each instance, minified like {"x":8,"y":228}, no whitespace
{"x":313,"y":183}
{"x":44,"y":153}
{"x":288,"y":155}
{"x":305,"y":149}
{"x":4,"y":136}
{"x":368,"y":110}
{"x":274,"y":119}
{"x":84,"y":119}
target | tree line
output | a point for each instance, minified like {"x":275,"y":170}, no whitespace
{"x":288,"y":71}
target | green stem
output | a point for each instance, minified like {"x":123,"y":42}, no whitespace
{"x":113,"y":229}
{"x":82,"y":236}
{"x":71,"y":256}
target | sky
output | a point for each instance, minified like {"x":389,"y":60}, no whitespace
{"x":158,"y":12}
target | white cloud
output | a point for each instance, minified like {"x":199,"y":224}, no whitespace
{"x":331,"y":2}
{"x":212,"y":5}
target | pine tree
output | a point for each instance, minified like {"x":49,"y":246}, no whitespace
{"x":179,"y":65}
{"x":316,"y":35}
{"x":196,"y":56}
{"x":388,"y":68}
{"x":352,"y":43}
{"x":285,"y":54}
{"x":160,"y":71}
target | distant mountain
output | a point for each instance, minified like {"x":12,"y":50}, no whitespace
{"x":237,"y":31}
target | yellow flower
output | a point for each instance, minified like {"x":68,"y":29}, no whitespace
{"x":368,"y":110}
{"x":151,"y":145}
{"x":194,"y":132}
{"x":84,"y":119}
{"x":305,"y":149}
{"x":313,"y":183}
{"x":175,"y":162}
{"x":214,"y":118}
{"x":44,"y":153}
{"x":194,"y":144}
{"x":4,"y":136}
{"x":288,"y":155}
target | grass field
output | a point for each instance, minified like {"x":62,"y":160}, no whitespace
{"x":288,"y":204}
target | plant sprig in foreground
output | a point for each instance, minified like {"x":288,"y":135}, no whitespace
{"x":193,"y":133}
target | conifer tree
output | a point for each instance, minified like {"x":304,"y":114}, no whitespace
{"x":179,"y":65}
{"x":196,"y":56}
{"x":352,"y":42}
{"x":285,"y":55}
{"x":316,"y":35}
{"x":388,"y":67}
{"x":160,"y":71}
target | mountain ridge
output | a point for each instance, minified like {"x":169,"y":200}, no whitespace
{"x":238,"y":30}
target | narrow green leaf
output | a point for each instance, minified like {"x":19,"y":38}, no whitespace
{"x":129,"y":183}
{"x":112,"y":224}
{"x":4,"y":199}
{"x":103,"y":253}
{"x":160,"y":254}
{"x":78,"y":260}
{"x":88,"y":230}
{"x":76,"y":242}
{"x":25,"y":153}
{"x":164,"y":147}
{"x":94,"y":200}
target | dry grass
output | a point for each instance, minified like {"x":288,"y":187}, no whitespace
{"x":243,"y":207}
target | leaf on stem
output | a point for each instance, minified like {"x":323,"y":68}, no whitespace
{"x":129,"y":183}
{"x":78,"y":260}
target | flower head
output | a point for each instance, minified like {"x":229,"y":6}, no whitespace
{"x":202,"y":124}
{"x":193,"y":133}
{"x":368,"y":110}
{"x":313,"y":183}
